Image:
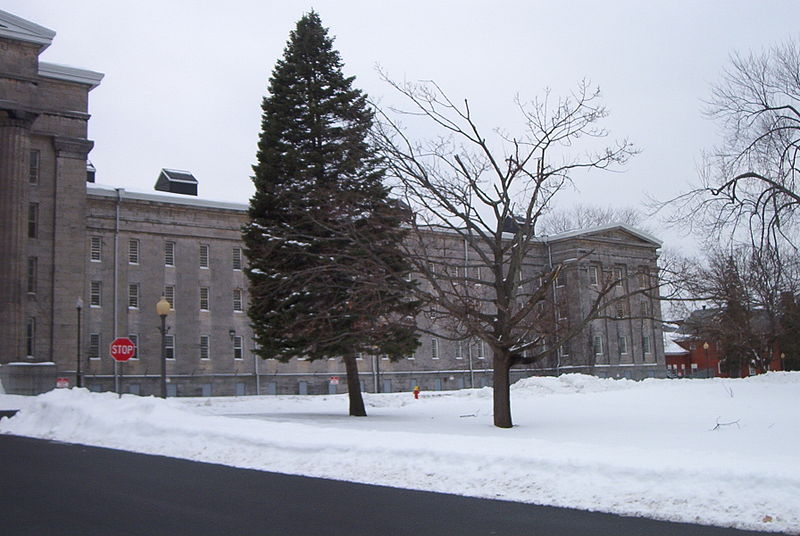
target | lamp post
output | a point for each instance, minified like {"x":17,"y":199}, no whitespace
{"x":162,"y":310}
{"x":708,"y":369}
{"x":78,"y":376}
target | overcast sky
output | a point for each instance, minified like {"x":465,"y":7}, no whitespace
{"x":184,"y":79}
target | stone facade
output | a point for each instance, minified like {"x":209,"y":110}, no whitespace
{"x":65,"y":240}
{"x":43,"y":151}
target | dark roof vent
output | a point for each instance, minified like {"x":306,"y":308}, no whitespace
{"x":90,"y":171}
{"x":177,"y":182}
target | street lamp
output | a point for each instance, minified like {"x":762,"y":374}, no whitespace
{"x":162,"y":310}
{"x":708,"y":369}
{"x":78,"y":379}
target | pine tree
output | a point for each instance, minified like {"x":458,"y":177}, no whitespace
{"x":327,"y":277}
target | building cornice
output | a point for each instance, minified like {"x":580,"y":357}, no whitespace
{"x":19,"y":29}
{"x":70,"y":74}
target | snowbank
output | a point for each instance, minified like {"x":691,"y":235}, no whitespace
{"x":716,"y":451}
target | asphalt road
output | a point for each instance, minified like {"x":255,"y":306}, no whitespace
{"x":51,"y":488}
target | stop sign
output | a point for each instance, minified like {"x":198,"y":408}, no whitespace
{"x":122,"y":349}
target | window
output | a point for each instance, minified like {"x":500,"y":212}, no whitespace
{"x":30,"y":337}
{"x":204,"y":298}
{"x":598,"y":345}
{"x":133,"y":251}
{"x":169,"y":253}
{"x":33,"y":220}
{"x":434,"y":348}
{"x":94,"y":346}
{"x":618,"y":277}
{"x":33,"y":263}
{"x":237,"y":258}
{"x":593,"y":275}
{"x":481,"y":347}
{"x":561,"y":311}
{"x":135,"y":340}
{"x":646,"y":344}
{"x":96,"y":249}
{"x":204,"y":343}
{"x":620,"y":310}
{"x":33,"y":167}
{"x":564,"y":349}
{"x":133,"y":296}
{"x":643,"y":279}
{"x":476,"y":272}
{"x":169,"y":295}
{"x":169,"y":346}
{"x":237,"y":300}
{"x":645,"y":309}
{"x":384,"y":357}
{"x":360,"y":356}
{"x":203,"y":255}
{"x":237,"y":347}
{"x":95,"y":294}
{"x":623,"y":344}
{"x":561,"y":278}
{"x":459,"y":350}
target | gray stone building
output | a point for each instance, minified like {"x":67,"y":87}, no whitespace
{"x":83,"y":264}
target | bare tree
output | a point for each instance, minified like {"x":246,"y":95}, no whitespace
{"x":581,"y":216}
{"x":479,"y":200}
{"x":750,"y":291}
{"x":750,"y":182}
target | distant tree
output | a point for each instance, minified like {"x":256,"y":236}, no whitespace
{"x":752,"y":310}
{"x":480,"y":199}
{"x":581,"y":216}
{"x":327,"y":277}
{"x":750,"y":182}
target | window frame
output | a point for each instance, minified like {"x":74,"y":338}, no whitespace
{"x":34,"y":166}
{"x":33,"y":220}
{"x":169,"y":295}
{"x":134,"y":337}
{"x":205,"y":347}
{"x":96,"y":248}
{"x":33,"y":275}
{"x":205,"y":300}
{"x":238,"y":300}
{"x":238,"y":347}
{"x":95,"y":342}
{"x":623,"y":344}
{"x":133,"y":295}
{"x":169,"y":347}
{"x":237,"y":259}
{"x":435,"y":348}
{"x":30,"y":337}
{"x":96,"y":294}
{"x":169,"y":253}
{"x":205,"y":256}
{"x":133,"y":251}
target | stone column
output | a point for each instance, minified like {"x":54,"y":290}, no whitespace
{"x":15,"y":128}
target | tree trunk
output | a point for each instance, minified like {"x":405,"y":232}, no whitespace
{"x":357,"y":408}
{"x":502,"y":394}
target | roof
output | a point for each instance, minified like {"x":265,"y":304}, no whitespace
{"x":671,"y":347}
{"x":99,"y":190}
{"x":19,"y":29}
{"x":647,"y":237}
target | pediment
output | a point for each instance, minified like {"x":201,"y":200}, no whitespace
{"x":615,"y":232}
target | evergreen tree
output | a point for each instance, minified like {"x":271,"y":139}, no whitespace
{"x":327,"y":277}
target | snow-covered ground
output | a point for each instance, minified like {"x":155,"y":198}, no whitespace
{"x":650,"y":448}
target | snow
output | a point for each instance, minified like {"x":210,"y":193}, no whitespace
{"x":650,"y":448}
